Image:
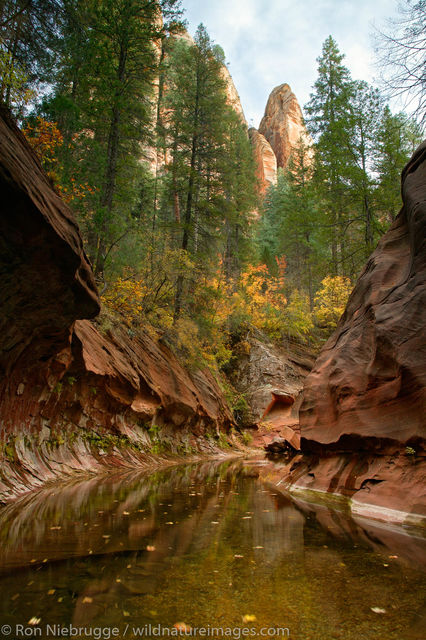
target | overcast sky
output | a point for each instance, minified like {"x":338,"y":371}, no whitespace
{"x":268,"y":42}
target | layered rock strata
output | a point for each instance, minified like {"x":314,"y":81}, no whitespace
{"x":362,"y":419}
{"x":75,"y":396}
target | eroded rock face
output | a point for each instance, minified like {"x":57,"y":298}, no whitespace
{"x":282,"y":125}
{"x":271,"y":380}
{"x":266,"y":162}
{"x":232,"y":94}
{"x":370,"y":378}
{"x":363,"y":414}
{"x":46,"y":281}
{"x":75,"y":396}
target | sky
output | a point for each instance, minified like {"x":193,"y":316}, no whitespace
{"x":269,"y":42}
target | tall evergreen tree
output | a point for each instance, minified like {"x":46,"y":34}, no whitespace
{"x":328,"y":122}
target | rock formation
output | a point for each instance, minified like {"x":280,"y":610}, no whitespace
{"x":282,"y":125}
{"x":265,"y":160}
{"x":75,"y":396}
{"x":232,"y":94}
{"x":363,"y":415}
{"x":370,"y":379}
{"x":271,"y":380}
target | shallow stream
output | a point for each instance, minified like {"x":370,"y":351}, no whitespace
{"x":204,"y":546}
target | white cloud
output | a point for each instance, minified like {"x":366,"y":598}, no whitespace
{"x":268,"y":42}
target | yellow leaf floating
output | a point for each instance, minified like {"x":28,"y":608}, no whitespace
{"x":51,"y":592}
{"x":150,"y":547}
{"x":87,"y":600}
{"x":248,"y":617}
{"x":32,"y":621}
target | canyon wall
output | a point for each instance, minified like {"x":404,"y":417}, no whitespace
{"x":362,"y":419}
{"x":75,"y":396}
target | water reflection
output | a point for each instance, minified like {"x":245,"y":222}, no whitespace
{"x":207,"y":544}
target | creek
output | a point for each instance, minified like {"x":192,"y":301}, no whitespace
{"x":205,"y":545}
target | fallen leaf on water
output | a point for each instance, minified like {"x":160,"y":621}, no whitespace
{"x":150,"y":547}
{"x":214,"y":522}
{"x":90,"y":552}
{"x":34,"y":620}
{"x":237,"y":555}
{"x":393,"y":557}
{"x":246,"y":518}
{"x":385,"y":565}
{"x":118,"y":579}
{"x":248,"y":617}
{"x":182,"y":626}
{"x":107,"y":535}
{"x":129,"y":566}
{"x":258,"y":547}
{"x":45,"y":560}
{"x":33,"y":560}
{"x":126,"y":513}
{"x":126,"y":613}
{"x":87,"y":600}
{"x":60,"y":599}
{"x":51,"y":592}
{"x":378,"y":610}
{"x":169,"y":522}
{"x":55,"y":528}
{"x":15,"y":596}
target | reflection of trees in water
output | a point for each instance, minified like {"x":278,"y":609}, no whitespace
{"x":235,"y":542}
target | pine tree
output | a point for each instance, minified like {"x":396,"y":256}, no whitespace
{"x":396,"y":140}
{"x":328,"y":122}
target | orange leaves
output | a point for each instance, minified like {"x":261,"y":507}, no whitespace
{"x":45,"y":138}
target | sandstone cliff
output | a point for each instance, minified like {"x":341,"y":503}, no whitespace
{"x":75,"y":396}
{"x":265,"y":160}
{"x":363,"y":415}
{"x":282,"y":125}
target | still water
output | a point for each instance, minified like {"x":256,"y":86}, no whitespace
{"x":209,"y":545}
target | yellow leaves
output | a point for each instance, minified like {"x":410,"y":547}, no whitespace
{"x":331,"y":299}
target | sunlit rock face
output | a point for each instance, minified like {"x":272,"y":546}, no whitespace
{"x":282,"y":125}
{"x":232,"y":95}
{"x":266,"y":162}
